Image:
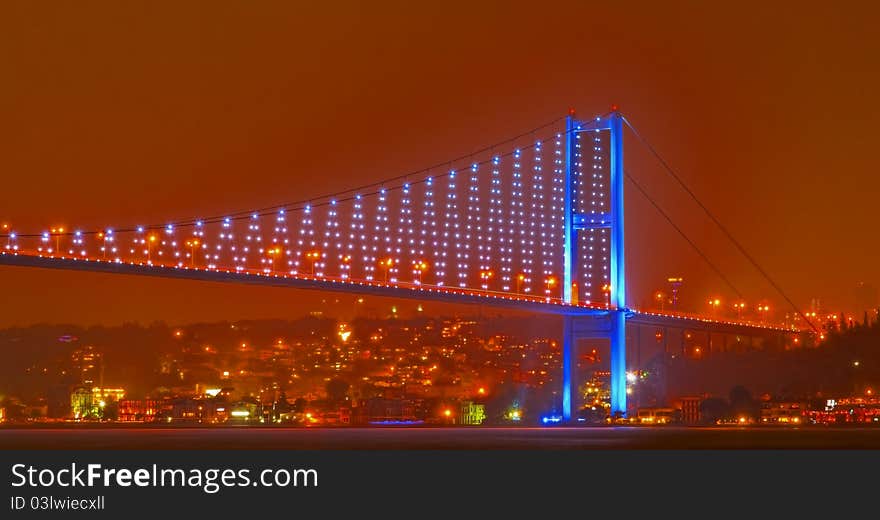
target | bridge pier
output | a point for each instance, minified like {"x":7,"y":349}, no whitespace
{"x":618,"y":362}
{"x":665,"y":340}
{"x":569,"y":386}
{"x":610,"y":325}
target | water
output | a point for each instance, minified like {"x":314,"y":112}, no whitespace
{"x":660,"y":437}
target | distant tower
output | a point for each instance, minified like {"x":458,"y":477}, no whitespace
{"x":675,"y":283}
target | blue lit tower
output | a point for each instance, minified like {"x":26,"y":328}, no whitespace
{"x":610,"y":324}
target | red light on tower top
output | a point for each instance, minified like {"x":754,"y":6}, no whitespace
{"x":571,"y":111}
{"x":614,"y":108}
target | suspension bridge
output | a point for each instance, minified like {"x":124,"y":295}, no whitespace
{"x":535,"y":223}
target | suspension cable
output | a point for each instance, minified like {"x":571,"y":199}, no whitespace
{"x":325,"y":199}
{"x":683,"y":234}
{"x":720,"y":226}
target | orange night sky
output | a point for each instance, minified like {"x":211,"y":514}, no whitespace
{"x":121,"y":113}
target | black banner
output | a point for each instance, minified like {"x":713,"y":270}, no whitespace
{"x":397,"y":484}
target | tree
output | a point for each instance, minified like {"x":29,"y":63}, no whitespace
{"x":714,"y":409}
{"x":337,"y":389}
{"x":14,"y":409}
{"x":742,"y":404}
{"x":501,"y":401}
{"x":110,"y":412}
{"x":281,"y":405}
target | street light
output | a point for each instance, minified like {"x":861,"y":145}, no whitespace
{"x":345,"y":266}
{"x":387,"y":264}
{"x":551,"y":283}
{"x":519,"y":280}
{"x":419,"y":267}
{"x":486,"y":276}
{"x":314,"y":256}
{"x":714,"y":303}
{"x":740,"y":307}
{"x":661,"y":298}
{"x":275,"y":251}
{"x":10,"y":237}
{"x":763,"y":310}
{"x":57,"y":232}
{"x":150,"y":241}
{"x":193,"y":244}
{"x":103,"y":237}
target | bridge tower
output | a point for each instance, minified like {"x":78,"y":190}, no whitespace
{"x":610,"y":324}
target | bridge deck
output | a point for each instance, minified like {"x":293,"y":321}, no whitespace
{"x":553,"y":306}
{"x":397,"y":290}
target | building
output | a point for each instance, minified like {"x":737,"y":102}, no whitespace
{"x":847,"y":411}
{"x":690,"y":410}
{"x":81,"y":405}
{"x":657,"y":416}
{"x":337,"y":417}
{"x":245,"y":410}
{"x":107,"y":395}
{"x":185,"y":409}
{"x":138,"y":410}
{"x":782,"y":413}
{"x":385,"y":411}
{"x":472,"y":414}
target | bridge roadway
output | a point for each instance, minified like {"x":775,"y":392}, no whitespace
{"x":520,"y":302}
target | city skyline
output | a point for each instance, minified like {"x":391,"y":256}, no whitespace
{"x":510,"y":369}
